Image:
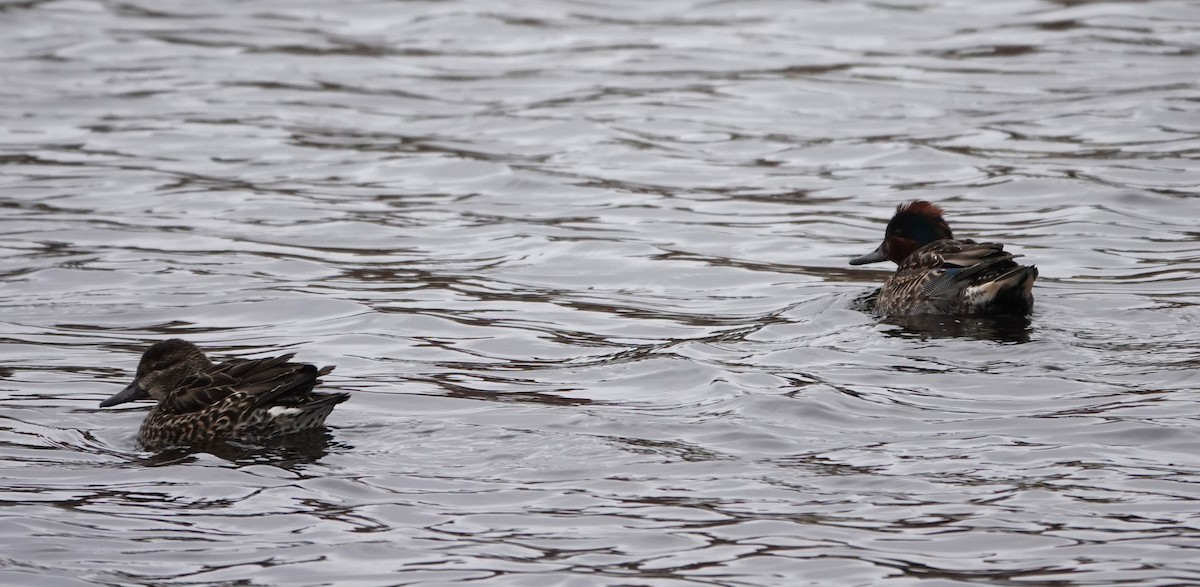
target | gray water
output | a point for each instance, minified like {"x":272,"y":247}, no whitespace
{"x":583,"y":267}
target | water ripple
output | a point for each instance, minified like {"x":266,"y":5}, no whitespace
{"x":584,"y":270}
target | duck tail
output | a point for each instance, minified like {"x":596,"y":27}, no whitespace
{"x":301,"y":417}
{"x":322,"y":400}
{"x":1009,"y":293}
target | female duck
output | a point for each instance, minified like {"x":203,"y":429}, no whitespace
{"x":937,"y":274}
{"x":202,"y":402}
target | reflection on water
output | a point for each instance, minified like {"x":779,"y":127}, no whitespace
{"x":583,"y":269}
{"x":289,"y":452}
{"x":1013,"y":329}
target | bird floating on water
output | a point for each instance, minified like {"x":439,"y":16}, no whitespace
{"x":937,"y":274}
{"x":242,"y":399}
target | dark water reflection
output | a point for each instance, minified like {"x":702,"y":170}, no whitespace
{"x":1014,"y":329}
{"x":290,"y":453}
{"x":584,"y":268}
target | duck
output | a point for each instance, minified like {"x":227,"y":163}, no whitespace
{"x":246,"y":400}
{"x":938,"y":274}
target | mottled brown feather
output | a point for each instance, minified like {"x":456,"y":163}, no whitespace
{"x":239,"y":399}
{"x":937,"y":274}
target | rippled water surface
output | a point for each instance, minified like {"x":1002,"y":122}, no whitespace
{"x":583,"y":266}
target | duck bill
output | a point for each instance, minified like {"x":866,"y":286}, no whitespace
{"x":873,"y":257}
{"x":130,"y":393}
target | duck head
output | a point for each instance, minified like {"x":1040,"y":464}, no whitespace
{"x":163,"y":366}
{"x":915,"y":224}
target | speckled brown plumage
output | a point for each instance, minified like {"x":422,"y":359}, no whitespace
{"x":201,"y":402}
{"x":937,"y":274}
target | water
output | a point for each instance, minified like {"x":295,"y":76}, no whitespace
{"x":584,"y":267}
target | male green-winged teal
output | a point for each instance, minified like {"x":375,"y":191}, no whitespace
{"x":201,"y":402}
{"x":937,"y":274}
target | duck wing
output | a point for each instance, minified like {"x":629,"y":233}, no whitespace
{"x":197,"y":392}
{"x":957,"y":264}
{"x":265,"y":380}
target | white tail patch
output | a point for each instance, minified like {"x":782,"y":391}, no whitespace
{"x":277,"y":411}
{"x":979,"y":294}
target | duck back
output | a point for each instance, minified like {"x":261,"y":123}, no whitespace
{"x":959,"y":277}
